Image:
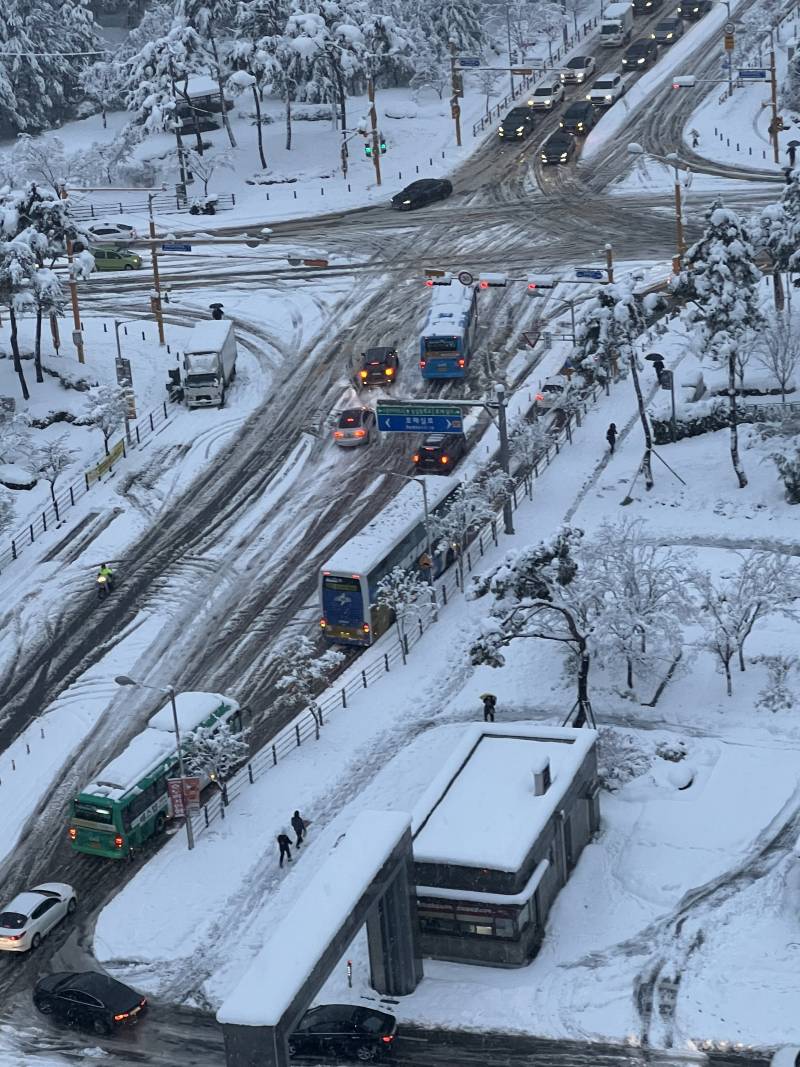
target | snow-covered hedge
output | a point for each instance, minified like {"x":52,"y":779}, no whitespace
{"x":706,"y":416}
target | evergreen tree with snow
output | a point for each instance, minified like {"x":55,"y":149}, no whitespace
{"x":209,"y":19}
{"x":779,"y":227}
{"x":100,"y":83}
{"x":17,"y":274}
{"x":459,"y":24}
{"x":302,"y":673}
{"x":258,"y":35}
{"x":326,"y":33}
{"x":719,"y":282}
{"x":215,"y":751}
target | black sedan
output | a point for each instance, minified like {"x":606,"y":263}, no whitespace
{"x":89,"y":1000}
{"x":559,"y":148}
{"x":418,"y":194}
{"x":379,"y":366}
{"x":439,"y":452}
{"x":517,"y":124}
{"x":344,"y":1030}
{"x":579,"y":118}
{"x":640,"y":55}
{"x":694,"y":10}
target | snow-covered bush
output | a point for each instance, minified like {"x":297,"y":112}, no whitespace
{"x":788,"y":464}
{"x":672,"y":751}
{"x":621,"y":757}
{"x":215,"y":751}
{"x":778,"y":694}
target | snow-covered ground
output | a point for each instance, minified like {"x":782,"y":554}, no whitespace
{"x":622,"y":909}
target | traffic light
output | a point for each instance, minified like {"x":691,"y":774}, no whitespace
{"x":368,"y":150}
{"x":541,"y":281}
{"x":382,"y":143}
{"x":489,"y":280}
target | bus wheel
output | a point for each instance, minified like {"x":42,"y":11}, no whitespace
{"x":161,"y":823}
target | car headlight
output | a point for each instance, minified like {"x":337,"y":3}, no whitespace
{"x":669,"y":36}
{"x":406,"y":201}
{"x":640,"y":59}
{"x":588,"y":96}
{"x":500,"y":130}
{"x":520,"y":129}
{"x":563,"y":157}
{"x":580,"y":126}
{"x":653,"y":36}
{"x":608,"y":96}
{"x":547,"y":101}
{"x":544,"y":157}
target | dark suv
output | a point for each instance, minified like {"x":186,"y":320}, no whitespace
{"x":579,"y":118}
{"x":640,"y":55}
{"x":517,"y":124}
{"x":344,"y":1030}
{"x":379,"y":366}
{"x":694,"y":11}
{"x":440,"y":452}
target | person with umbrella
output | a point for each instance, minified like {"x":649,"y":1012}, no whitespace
{"x":791,"y":151}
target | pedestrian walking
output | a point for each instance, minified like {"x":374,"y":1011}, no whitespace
{"x":283,"y":844}
{"x":792,"y":152}
{"x":611,"y":437}
{"x":658,"y":367}
{"x":695,"y":138}
{"x":489,"y":705}
{"x":299,"y":827}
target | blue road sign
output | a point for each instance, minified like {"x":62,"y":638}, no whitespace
{"x":592,"y":273}
{"x":175,"y":246}
{"x":429,"y":418}
{"x":469,"y":61}
{"x":756,"y":74}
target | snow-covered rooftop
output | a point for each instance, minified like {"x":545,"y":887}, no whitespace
{"x":288,"y":958}
{"x":398,"y":518}
{"x":201,"y":85}
{"x":208,"y":336}
{"x":480,"y":810}
{"x":448,"y":312}
{"x":192,"y":709}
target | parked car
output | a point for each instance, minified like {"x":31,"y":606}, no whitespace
{"x":355,"y":426}
{"x":118,"y":230}
{"x":667,"y":31}
{"x":579,"y":118}
{"x":547,"y":94}
{"x":115,"y":259}
{"x":440,"y":452}
{"x":786,"y":1057}
{"x":347,"y":1030}
{"x":641,"y":54}
{"x":550,"y":391}
{"x":89,"y":1000}
{"x":517,"y":124}
{"x":559,"y":147}
{"x":32,"y":915}
{"x":425,"y":191}
{"x":578,"y":69}
{"x":379,"y":366}
{"x":606,"y":90}
{"x":694,"y":11}
{"x":645,"y":7}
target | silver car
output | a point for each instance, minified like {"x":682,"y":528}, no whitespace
{"x":32,"y":915}
{"x":355,"y":426}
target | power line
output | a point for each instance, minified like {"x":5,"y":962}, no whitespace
{"x":25,"y":55}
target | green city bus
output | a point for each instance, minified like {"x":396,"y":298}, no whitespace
{"x":127,"y":802}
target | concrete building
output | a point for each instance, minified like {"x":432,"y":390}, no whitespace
{"x":497,"y":835}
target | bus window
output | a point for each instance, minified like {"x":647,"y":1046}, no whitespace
{"x":91,"y":813}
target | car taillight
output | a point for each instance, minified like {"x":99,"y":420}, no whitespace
{"x":444,"y":459}
{"x":422,"y":362}
{"x":388,"y":371}
{"x":365,"y":627}
{"x":73,"y":833}
{"x":338,"y":433}
{"x":539,"y":396}
{"x":461,"y":362}
{"x":14,"y":937}
{"x":362,"y":374}
{"x":118,"y":841}
{"x":360,"y":433}
{"x":415,"y":458}
{"x":323,"y":623}
{"x":388,"y":1038}
{"x":122,"y":1015}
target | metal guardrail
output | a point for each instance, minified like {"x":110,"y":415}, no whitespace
{"x":308,"y":725}
{"x":49,"y":517}
{"x":162,"y":202}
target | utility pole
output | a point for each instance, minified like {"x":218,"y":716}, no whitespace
{"x":505,"y":457}
{"x":677,"y":260}
{"x":455,"y":85}
{"x":344,"y":154}
{"x":610,"y":263}
{"x":156,"y":300}
{"x":776,"y":122}
{"x":77,"y":333}
{"x":373,"y":118}
{"x":508,"y":32}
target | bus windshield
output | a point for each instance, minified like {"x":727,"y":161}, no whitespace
{"x":441,"y":344}
{"x":341,"y":599}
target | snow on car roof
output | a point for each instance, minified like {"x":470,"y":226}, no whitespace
{"x":364,"y":551}
{"x":449,"y":309}
{"x":193,"y":708}
{"x":24,"y":903}
{"x":480,"y":810}
{"x":142,"y":755}
{"x":287,"y":961}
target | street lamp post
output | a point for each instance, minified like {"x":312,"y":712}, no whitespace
{"x":505,"y":455}
{"x":671,"y":160}
{"x":123,"y":679}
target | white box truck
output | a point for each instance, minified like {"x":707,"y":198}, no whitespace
{"x":209,"y":364}
{"x":616,"y":24}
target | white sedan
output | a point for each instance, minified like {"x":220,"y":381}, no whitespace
{"x":32,"y":915}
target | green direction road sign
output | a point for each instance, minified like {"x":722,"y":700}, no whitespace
{"x":419,"y":418}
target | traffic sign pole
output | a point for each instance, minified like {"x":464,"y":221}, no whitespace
{"x":455,"y":107}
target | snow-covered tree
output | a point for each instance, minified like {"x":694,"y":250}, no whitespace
{"x":101,"y":84}
{"x":790,"y":90}
{"x":107,"y":410}
{"x":14,"y":436}
{"x":777,"y":349}
{"x":528,"y":441}
{"x":720,"y":282}
{"x":50,"y":459}
{"x":487,"y":86}
{"x":258,"y":28}
{"x":302,"y":673}
{"x":778,"y":231}
{"x":788,"y":463}
{"x":210,"y":18}
{"x":205,"y":166}
{"x":766,"y":583}
{"x":48,"y":299}
{"x":405,"y":595}
{"x":460,"y":24}
{"x":43,"y":160}
{"x":216,"y":751}
{"x":641,"y":597}
{"x":471,"y":505}
{"x":6,"y":508}
{"x":537,"y":593}
{"x":17,"y":274}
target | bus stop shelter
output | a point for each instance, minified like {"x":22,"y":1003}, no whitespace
{"x":367,"y":877}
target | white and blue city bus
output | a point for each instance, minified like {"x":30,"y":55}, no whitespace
{"x":445,"y":346}
{"x":394,"y":538}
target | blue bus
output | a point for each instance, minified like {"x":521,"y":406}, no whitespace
{"x":448,"y":335}
{"x":395,"y":537}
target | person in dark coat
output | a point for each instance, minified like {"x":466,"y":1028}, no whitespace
{"x":283,"y":845}
{"x":299,"y":827}
{"x":611,"y":436}
{"x":792,"y":152}
{"x":489,"y":705}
